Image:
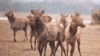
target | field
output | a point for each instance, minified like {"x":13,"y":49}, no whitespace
{"x":90,"y":42}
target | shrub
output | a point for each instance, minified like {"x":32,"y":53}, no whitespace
{"x":95,"y":17}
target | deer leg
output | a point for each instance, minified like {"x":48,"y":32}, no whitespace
{"x":62,"y":48}
{"x":25,"y":30}
{"x":72,"y":49}
{"x":35,"y":44}
{"x":31,"y":41}
{"x":52,"y":46}
{"x":39,"y":49}
{"x":78,"y":42}
{"x":61,"y":52}
{"x":45,"y":49}
{"x":67,"y":47}
{"x":25,"y":36}
{"x":41,"y":46}
{"x":56,"y":47}
{"x":14,"y":34}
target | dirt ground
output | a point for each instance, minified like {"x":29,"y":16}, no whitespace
{"x":90,"y":42}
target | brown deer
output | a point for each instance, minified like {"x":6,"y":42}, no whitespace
{"x":73,"y":33}
{"x":32,"y":32}
{"x":44,"y":18}
{"x":64,"y":23}
{"x":46,"y":32}
{"x":17,"y":23}
{"x":61,"y":25}
{"x":56,"y":33}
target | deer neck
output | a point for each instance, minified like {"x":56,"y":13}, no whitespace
{"x":64,"y":22}
{"x":11,"y":19}
{"x":73,"y":30}
{"x":39,"y":26}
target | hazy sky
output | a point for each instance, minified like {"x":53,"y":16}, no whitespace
{"x":96,"y":1}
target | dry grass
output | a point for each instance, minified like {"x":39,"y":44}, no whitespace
{"x":90,"y":42}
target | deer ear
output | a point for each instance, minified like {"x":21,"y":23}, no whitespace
{"x":72,"y":16}
{"x":32,"y":11}
{"x":42,"y":11}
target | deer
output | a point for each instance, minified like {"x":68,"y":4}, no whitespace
{"x":44,"y":18}
{"x":63,"y":23}
{"x":73,"y":33}
{"x":17,"y":23}
{"x":46,"y":32}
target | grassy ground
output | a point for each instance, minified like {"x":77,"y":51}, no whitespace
{"x":90,"y":42}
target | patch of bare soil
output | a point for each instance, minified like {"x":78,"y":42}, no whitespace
{"x":90,"y":42}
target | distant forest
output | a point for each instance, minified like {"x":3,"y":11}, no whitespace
{"x":57,"y":7}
